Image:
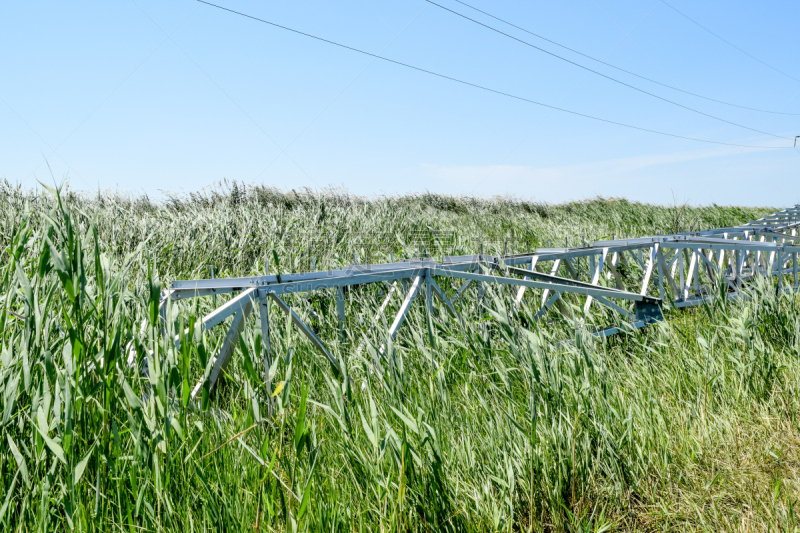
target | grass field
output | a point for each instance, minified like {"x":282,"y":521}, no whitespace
{"x":689,"y":425}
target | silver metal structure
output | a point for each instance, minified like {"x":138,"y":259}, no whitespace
{"x":632,"y":278}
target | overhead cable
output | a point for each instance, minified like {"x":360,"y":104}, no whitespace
{"x":751,"y":56}
{"x":615,"y":80}
{"x":645,"y":78}
{"x":482,"y":87}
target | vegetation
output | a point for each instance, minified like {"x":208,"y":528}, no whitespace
{"x":688,"y":425}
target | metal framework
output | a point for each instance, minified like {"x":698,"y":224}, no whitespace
{"x":632,"y":278}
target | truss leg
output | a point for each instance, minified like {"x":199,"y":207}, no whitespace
{"x":740,"y":258}
{"x":595,"y":276}
{"x":340,"y":314}
{"x":481,"y":290}
{"x":612,"y":266}
{"x":162,"y":316}
{"x":305,"y":330}
{"x":379,"y":313}
{"x":696,"y":260}
{"x":570,"y":268}
{"x":521,"y":290}
{"x":263,"y":310}
{"x":404,"y":308}
{"x":235,"y":305}
{"x":670,"y":276}
{"x":224,"y":355}
{"x":722,"y":254}
{"x":553,"y":272}
{"x":660,"y":273}
{"x":710,"y":267}
{"x":429,"y":307}
{"x":440,"y":293}
{"x":648,"y":271}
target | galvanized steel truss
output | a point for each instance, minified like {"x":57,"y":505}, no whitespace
{"x":630,"y":277}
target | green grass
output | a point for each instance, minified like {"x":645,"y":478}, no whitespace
{"x":689,"y":425}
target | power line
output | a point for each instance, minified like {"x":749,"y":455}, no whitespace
{"x":645,"y":78}
{"x":751,"y":56}
{"x":615,"y":80}
{"x":476,"y":86}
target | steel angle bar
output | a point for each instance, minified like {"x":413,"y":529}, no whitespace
{"x":242,"y":283}
{"x":712,"y":268}
{"x":266,"y":346}
{"x":340,"y":310}
{"x":651,"y":261}
{"x":304,"y":329}
{"x":512,"y":260}
{"x":669,"y":273}
{"x":574,"y":272}
{"x":553,"y":272}
{"x":659,"y":257}
{"x":621,"y":310}
{"x":689,"y":276}
{"x":788,"y":271}
{"x":481,"y":291}
{"x":541,"y":276}
{"x":577,"y":253}
{"x":470,"y":262}
{"x":612,"y":267}
{"x":460,"y":291}
{"x":693,"y":301}
{"x":636,"y":242}
{"x":547,"y":251}
{"x":443,"y":297}
{"x":731,"y":245}
{"x":695,"y":269}
{"x":672,"y":262}
{"x":185,"y":294}
{"x":405,"y":307}
{"x":460,"y":259}
{"x":429,"y":307}
{"x":521,"y":291}
{"x":546,"y":305}
{"x":380,"y":312}
{"x":231,"y":338}
{"x":596,"y":278}
{"x":235,"y":305}
{"x":638,"y":256}
{"x":781,"y":235}
{"x":702,"y":241}
{"x":296,"y":287}
{"x":608,"y":332}
{"x":572,"y":288}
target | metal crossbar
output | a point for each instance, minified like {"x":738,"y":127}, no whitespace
{"x":680,"y":270}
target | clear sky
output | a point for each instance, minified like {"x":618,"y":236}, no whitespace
{"x":149,"y":96}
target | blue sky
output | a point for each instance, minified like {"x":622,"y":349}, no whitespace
{"x":174,"y":96}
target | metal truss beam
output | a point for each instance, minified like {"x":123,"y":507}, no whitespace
{"x":683,"y":268}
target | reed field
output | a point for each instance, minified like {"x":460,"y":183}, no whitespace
{"x":502,"y":425}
